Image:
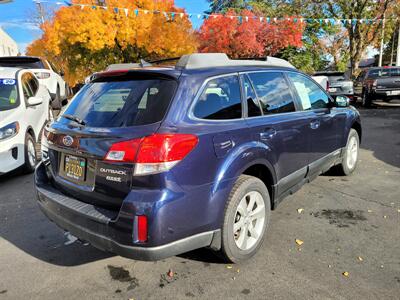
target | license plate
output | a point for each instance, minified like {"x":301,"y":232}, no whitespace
{"x":332,"y":90}
{"x":75,"y":167}
{"x":393,"y":93}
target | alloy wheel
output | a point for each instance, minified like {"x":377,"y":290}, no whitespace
{"x":249,"y":220}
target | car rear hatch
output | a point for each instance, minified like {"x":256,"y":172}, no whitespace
{"x":110,"y":110}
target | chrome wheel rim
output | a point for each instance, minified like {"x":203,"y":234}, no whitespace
{"x":31,"y":153}
{"x":352,"y":152}
{"x":249,"y":220}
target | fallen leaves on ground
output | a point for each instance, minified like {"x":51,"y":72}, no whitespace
{"x":300,"y":210}
{"x":360,"y":258}
{"x":170,"y":273}
{"x":345,"y":274}
{"x":299,"y":242}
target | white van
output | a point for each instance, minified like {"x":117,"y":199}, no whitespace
{"x":24,"y":110}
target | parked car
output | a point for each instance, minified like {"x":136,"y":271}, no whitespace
{"x":378,"y":83}
{"x":45,"y":72}
{"x":322,"y":80}
{"x":153,"y":162}
{"x":24,"y":109}
{"x":338,"y":83}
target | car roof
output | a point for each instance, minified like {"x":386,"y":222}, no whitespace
{"x":200,"y":64}
{"x":20,"y":59}
{"x":329,"y":73}
{"x":6,"y":72}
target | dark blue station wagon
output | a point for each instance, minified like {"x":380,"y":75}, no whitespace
{"x":156,"y":161}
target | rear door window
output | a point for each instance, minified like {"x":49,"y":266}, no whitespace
{"x":273,"y":92}
{"x":123,"y":103}
{"x":220,"y":100}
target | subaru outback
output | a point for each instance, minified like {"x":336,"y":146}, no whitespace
{"x":153,"y":161}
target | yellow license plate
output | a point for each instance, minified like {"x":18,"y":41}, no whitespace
{"x":75,"y":167}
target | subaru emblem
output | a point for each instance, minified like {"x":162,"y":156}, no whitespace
{"x":68,"y":140}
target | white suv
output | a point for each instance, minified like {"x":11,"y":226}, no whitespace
{"x":24,"y":110}
{"x":45,"y":72}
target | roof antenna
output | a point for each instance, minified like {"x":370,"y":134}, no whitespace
{"x":144,"y":63}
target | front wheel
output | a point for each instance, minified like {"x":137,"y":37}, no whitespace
{"x":246,"y":218}
{"x":30,"y":154}
{"x":350,"y":157}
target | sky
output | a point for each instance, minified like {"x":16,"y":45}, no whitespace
{"x":15,"y":18}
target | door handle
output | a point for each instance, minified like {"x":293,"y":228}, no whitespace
{"x":314,"y":124}
{"x":267,"y":134}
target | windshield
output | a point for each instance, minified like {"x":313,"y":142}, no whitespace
{"x":337,"y":78}
{"x":122,"y":103}
{"x":386,"y":72}
{"x":8,"y":94}
{"x":24,"y":64}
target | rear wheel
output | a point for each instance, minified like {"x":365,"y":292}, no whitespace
{"x":366,"y":99}
{"x":30,"y":154}
{"x":350,"y":157}
{"x":246,"y":218}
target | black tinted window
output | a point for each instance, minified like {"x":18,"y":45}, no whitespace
{"x":220,"y":100}
{"x":24,"y":64}
{"x":253,"y":106}
{"x":29,"y":85}
{"x":273,"y":92}
{"x":123,"y":103}
{"x":310,"y":94}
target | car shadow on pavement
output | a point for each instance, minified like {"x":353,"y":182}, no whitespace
{"x":382,"y":125}
{"x":25,"y":227}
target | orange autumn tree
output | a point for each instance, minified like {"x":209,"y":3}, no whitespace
{"x":248,"y":36}
{"x":83,"y":40}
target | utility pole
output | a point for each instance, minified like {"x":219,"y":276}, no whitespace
{"x":382,"y":38}
{"x":398,"y":50}
{"x":40,"y":10}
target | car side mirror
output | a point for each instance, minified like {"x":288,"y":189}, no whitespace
{"x":342,"y":101}
{"x":64,"y":102}
{"x":34,"y":101}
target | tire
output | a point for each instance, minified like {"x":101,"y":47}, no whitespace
{"x":237,"y":246}
{"x":349,"y":159}
{"x":56,"y":103}
{"x":366,"y":99}
{"x":30,"y":155}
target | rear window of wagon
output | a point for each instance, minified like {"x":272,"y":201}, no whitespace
{"x":123,"y":102}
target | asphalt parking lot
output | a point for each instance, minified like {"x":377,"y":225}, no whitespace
{"x":347,"y":224}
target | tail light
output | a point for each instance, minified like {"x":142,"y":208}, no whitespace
{"x":153,"y":154}
{"x":42,"y":75}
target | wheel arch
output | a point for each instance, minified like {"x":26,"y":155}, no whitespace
{"x":357,"y":127}
{"x":29,"y":130}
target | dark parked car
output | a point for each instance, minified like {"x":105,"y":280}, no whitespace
{"x":378,"y":83}
{"x":152,"y":162}
{"x":339,"y":83}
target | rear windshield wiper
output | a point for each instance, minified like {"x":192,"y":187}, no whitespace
{"x":74,"y":118}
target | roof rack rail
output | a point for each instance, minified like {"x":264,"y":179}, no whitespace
{"x":207,"y":60}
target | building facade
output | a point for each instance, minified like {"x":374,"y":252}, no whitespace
{"x":8,"y":47}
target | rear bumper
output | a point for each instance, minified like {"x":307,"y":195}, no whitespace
{"x":105,"y":229}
